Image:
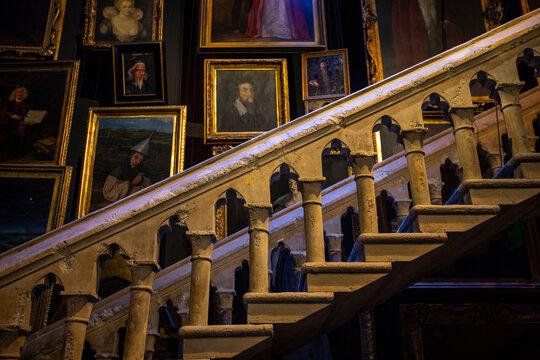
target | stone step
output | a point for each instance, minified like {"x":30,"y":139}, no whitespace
{"x":226,"y":341}
{"x":286,"y":307}
{"x":343,"y":276}
{"x":521,"y":166}
{"x":446,"y":218}
{"x":400,"y":246}
{"x":499,"y":191}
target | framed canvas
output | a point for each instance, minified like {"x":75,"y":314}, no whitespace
{"x":248,"y":24}
{"x":244,"y":98}
{"x":125,"y":21}
{"x":400,"y":34}
{"x":139,"y":73}
{"x":36,"y":108}
{"x":34,"y":200}
{"x":31,"y":29}
{"x":325,"y":74}
{"x":128,"y":149}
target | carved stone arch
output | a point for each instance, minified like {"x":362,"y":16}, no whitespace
{"x":230,"y":213}
{"x":173,"y":244}
{"x":335,"y":162}
{"x":113,"y":273}
{"x":528,"y":67}
{"x":46,"y":301}
{"x":387,"y":137}
{"x":483,"y":83}
{"x":280,"y":186}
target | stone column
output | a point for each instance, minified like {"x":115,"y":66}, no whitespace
{"x":365,"y":191}
{"x":152,"y":332}
{"x":402,"y":211}
{"x":334,"y":247}
{"x":511,"y":108}
{"x":79,"y":308}
{"x":142,"y":279}
{"x":226,"y":298}
{"x":496,"y":161}
{"x":150,"y":345}
{"x":313,"y":221}
{"x":462,"y":121}
{"x":259,"y":215}
{"x":11,"y":344}
{"x":299,"y":259}
{"x":202,"y":245}
{"x":414,"y":152}
{"x":435,"y":191}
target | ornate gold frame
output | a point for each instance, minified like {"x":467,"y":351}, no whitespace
{"x":62,"y":177}
{"x":212,"y":66}
{"x":68,"y":102}
{"x":89,"y":38}
{"x":491,"y":9}
{"x":206,"y":43}
{"x":178,"y":112}
{"x":320,"y":54}
{"x":51,"y":38}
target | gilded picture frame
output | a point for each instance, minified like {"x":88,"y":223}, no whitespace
{"x":464,"y":20}
{"x":36,"y":111}
{"x":109,"y":21}
{"x":244,"y":98}
{"x":115,"y":136}
{"x":139,"y":73}
{"x":240,"y":25}
{"x":325,"y":74}
{"x":34,"y":201}
{"x":33,"y":36}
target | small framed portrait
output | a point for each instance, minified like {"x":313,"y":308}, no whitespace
{"x":124,"y":21}
{"x":128,"y":149}
{"x":251,"y":25}
{"x":325,"y":74}
{"x":34,"y":200}
{"x":31,"y":29}
{"x":36,"y":107}
{"x":244,"y":98}
{"x":139,"y":73}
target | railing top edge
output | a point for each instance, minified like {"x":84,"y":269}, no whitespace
{"x":268,"y":143}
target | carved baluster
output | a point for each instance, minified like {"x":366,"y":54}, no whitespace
{"x":142,"y":279}
{"x":259,"y":215}
{"x":202,"y":245}
{"x":226,"y":298}
{"x":334,"y":247}
{"x":414,"y":152}
{"x":313,"y":221}
{"x":79,"y":308}
{"x":365,"y":191}
{"x":402,"y":210}
{"x":462,"y":121}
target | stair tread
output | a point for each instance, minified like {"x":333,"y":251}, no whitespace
{"x":289,"y":297}
{"x":348,"y":267}
{"x":397,"y":238}
{"x":454,"y":209}
{"x":201,"y":331}
{"x":500,"y":183}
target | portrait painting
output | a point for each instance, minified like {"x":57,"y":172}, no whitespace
{"x":401,"y":34}
{"x":244,"y":98}
{"x":123,"y":21}
{"x":129,"y":149}
{"x":30,"y":28}
{"x":139,"y":73}
{"x":325,"y":74}
{"x":252,"y":24}
{"x":36,"y":107}
{"x":34,"y":200}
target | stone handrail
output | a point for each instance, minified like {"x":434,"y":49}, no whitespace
{"x":71,"y":252}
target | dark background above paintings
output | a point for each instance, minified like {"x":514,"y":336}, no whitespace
{"x":184,"y":70}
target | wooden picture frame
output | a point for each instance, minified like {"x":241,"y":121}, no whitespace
{"x":110,"y":21}
{"x":34,"y":201}
{"x":139,"y":73}
{"x":37,"y":34}
{"x":232,"y":24}
{"x":36,"y":111}
{"x":261,"y":83}
{"x":325,"y":74}
{"x":111,"y":167}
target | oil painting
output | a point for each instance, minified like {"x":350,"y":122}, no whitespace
{"x":262,"y":24}
{"x":325,"y":74}
{"x":36,"y":107}
{"x":127,"y":150}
